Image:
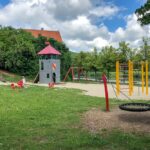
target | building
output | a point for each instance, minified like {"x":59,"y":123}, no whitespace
{"x":49,"y":65}
{"x":48,"y":34}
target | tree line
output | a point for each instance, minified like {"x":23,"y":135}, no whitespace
{"x":104,"y":60}
{"x":18,"y":54}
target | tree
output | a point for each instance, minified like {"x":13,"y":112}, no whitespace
{"x":39,"y":43}
{"x":17,"y":51}
{"x":144,"y":52}
{"x":94,"y":65}
{"x":107,"y":59}
{"x":124,"y":52}
{"x":143,"y":13}
{"x":79,"y":60}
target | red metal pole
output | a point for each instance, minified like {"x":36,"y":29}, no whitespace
{"x":106,"y":91}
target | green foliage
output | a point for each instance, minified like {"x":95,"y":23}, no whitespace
{"x":124,"y":52}
{"x":105,"y":60}
{"x":79,"y":59}
{"x":17,"y":51}
{"x":108,"y":58}
{"x":143,"y":13}
{"x":39,"y":43}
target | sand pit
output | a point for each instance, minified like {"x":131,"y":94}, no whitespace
{"x":96,"y":120}
{"x":98,"y":90}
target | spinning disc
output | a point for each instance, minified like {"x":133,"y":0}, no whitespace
{"x":136,"y":107}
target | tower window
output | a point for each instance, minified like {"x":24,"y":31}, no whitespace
{"x":47,"y":75}
{"x":42,"y":65}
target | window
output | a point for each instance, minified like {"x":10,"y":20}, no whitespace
{"x":53,"y":56}
{"x":47,"y":75}
{"x":42,"y":65}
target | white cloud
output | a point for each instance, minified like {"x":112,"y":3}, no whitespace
{"x":83,"y":29}
{"x":132,"y":33}
{"x":98,"y":42}
{"x":104,"y":11}
{"x":70,"y":9}
{"x":71,"y":18}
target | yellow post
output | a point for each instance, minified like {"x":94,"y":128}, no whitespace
{"x":129,"y":77}
{"x":142,"y":75}
{"x":146,"y":66}
{"x":117,"y":78}
{"x":132,"y":77}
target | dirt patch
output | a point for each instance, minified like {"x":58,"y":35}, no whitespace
{"x":40,"y":139}
{"x":96,"y":120}
{"x":7,"y":73}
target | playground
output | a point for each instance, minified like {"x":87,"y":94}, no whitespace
{"x":74,"y":75}
{"x":76,"y":115}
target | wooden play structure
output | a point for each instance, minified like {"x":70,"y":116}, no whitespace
{"x":80,"y":71}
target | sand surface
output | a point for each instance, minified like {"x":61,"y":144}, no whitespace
{"x":98,"y":90}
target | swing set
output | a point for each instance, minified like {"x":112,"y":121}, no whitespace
{"x":80,"y":72}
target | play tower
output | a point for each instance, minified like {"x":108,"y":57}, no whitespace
{"x":49,"y":65}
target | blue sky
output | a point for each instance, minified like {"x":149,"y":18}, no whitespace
{"x":4,"y":2}
{"x":117,"y":21}
{"x":127,"y":8}
{"x":83,"y":24}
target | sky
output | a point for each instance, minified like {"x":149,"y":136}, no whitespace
{"x":83,"y":24}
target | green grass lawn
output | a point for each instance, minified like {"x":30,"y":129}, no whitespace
{"x":38,"y":118}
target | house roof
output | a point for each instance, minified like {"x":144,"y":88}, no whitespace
{"x":49,"y":34}
{"x":49,"y":50}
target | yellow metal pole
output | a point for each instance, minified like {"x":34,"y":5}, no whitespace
{"x":146,"y":66}
{"x":132,"y":77}
{"x":117,"y":78}
{"x":129,"y":76}
{"x":142,"y":75}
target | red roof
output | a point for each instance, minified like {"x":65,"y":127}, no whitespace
{"x":49,"y":34}
{"x":49,"y":50}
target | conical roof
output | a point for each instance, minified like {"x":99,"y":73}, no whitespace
{"x":49,"y":50}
